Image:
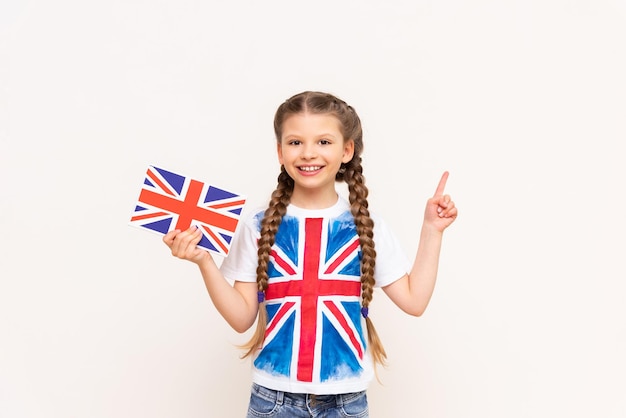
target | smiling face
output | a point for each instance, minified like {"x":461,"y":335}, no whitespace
{"x":312,"y":149}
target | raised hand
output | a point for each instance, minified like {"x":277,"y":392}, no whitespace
{"x":183,"y":244}
{"x":440,"y":209}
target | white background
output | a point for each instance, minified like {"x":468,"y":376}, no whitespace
{"x":524,"y":102}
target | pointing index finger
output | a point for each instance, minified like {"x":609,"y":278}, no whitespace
{"x":442,"y":184}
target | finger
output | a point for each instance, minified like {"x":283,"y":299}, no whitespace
{"x":189,"y":239}
{"x":197,"y":235}
{"x":449,"y":211}
{"x":181,"y":241}
{"x":442,"y":201}
{"x":452,"y":213}
{"x":193,"y":234}
{"x":442,"y":207}
{"x":442,"y":184}
{"x":170,"y":236}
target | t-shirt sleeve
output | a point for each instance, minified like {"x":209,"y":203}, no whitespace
{"x":242,"y":259}
{"x":391,"y":260}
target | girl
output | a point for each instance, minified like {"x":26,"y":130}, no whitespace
{"x":308,"y":264}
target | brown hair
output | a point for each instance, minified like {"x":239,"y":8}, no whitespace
{"x":350,"y":172}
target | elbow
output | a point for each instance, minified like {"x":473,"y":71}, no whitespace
{"x":241,"y":320}
{"x":416,"y":313}
{"x":415,"y":310}
{"x":417,"y":307}
{"x":241,"y":327}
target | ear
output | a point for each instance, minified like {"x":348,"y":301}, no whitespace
{"x":279,"y":151}
{"x":348,"y":151}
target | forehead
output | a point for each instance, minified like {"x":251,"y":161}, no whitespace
{"x":311,"y":124}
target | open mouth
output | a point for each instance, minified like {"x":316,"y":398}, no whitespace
{"x":310,"y":169}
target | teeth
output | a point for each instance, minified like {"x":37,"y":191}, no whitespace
{"x":310,"y":168}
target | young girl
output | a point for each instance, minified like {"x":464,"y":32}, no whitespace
{"x":308,"y":264}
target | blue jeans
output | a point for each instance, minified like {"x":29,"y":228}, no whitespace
{"x":270,"y":403}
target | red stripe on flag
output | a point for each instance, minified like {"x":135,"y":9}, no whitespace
{"x":344,"y":324}
{"x":281,"y":312}
{"x":311,"y":264}
{"x":325,"y":288}
{"x":225,"y":205}
{"x":152,"y":215}
{"x":215,"y":238}
{"x":343,"y":256}
{"x":282,"y":263}
{"x":162,"y":185}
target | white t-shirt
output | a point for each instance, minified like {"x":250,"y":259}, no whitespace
{"x":316,"y":340}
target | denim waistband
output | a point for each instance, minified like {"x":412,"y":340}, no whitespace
{"x":303,"y":399}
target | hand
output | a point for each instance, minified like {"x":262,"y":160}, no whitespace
{"x":183,"y":244}
{"x":440,"y":209}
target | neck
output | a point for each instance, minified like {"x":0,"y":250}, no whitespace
{"x":310,"y":199}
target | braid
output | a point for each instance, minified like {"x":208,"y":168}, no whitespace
{"x":353,"y":176}
{"x":269,"y":227}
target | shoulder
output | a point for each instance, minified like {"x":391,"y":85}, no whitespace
{"x":379,"y":222}
{"x":252,"y":218}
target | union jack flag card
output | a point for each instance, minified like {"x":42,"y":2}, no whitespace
{"x":169,"y":201}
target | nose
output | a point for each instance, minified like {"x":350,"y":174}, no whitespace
{"x":309,"y":151}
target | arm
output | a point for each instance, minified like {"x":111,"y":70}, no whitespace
{"x":413,"y":291}
{"x":237,"y":303}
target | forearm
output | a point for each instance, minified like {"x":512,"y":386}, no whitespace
{"x":412,"y":292}
{"x":236,"y":303}
{"x":423,"y":275}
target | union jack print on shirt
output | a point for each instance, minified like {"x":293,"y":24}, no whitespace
{"x":314,"y":331}
{"x":169,"y":201}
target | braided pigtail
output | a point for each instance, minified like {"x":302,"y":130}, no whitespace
{"x":353,"y":176}
{"x":269,"y":226}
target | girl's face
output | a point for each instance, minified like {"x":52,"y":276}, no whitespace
{"x":312,"y":149}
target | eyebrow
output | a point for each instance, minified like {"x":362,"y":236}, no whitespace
{"x":323,"y":135}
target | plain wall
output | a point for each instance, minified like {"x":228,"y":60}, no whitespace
{"x":524,"y":102}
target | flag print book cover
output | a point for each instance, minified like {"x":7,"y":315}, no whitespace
{"x":169,"y":201}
